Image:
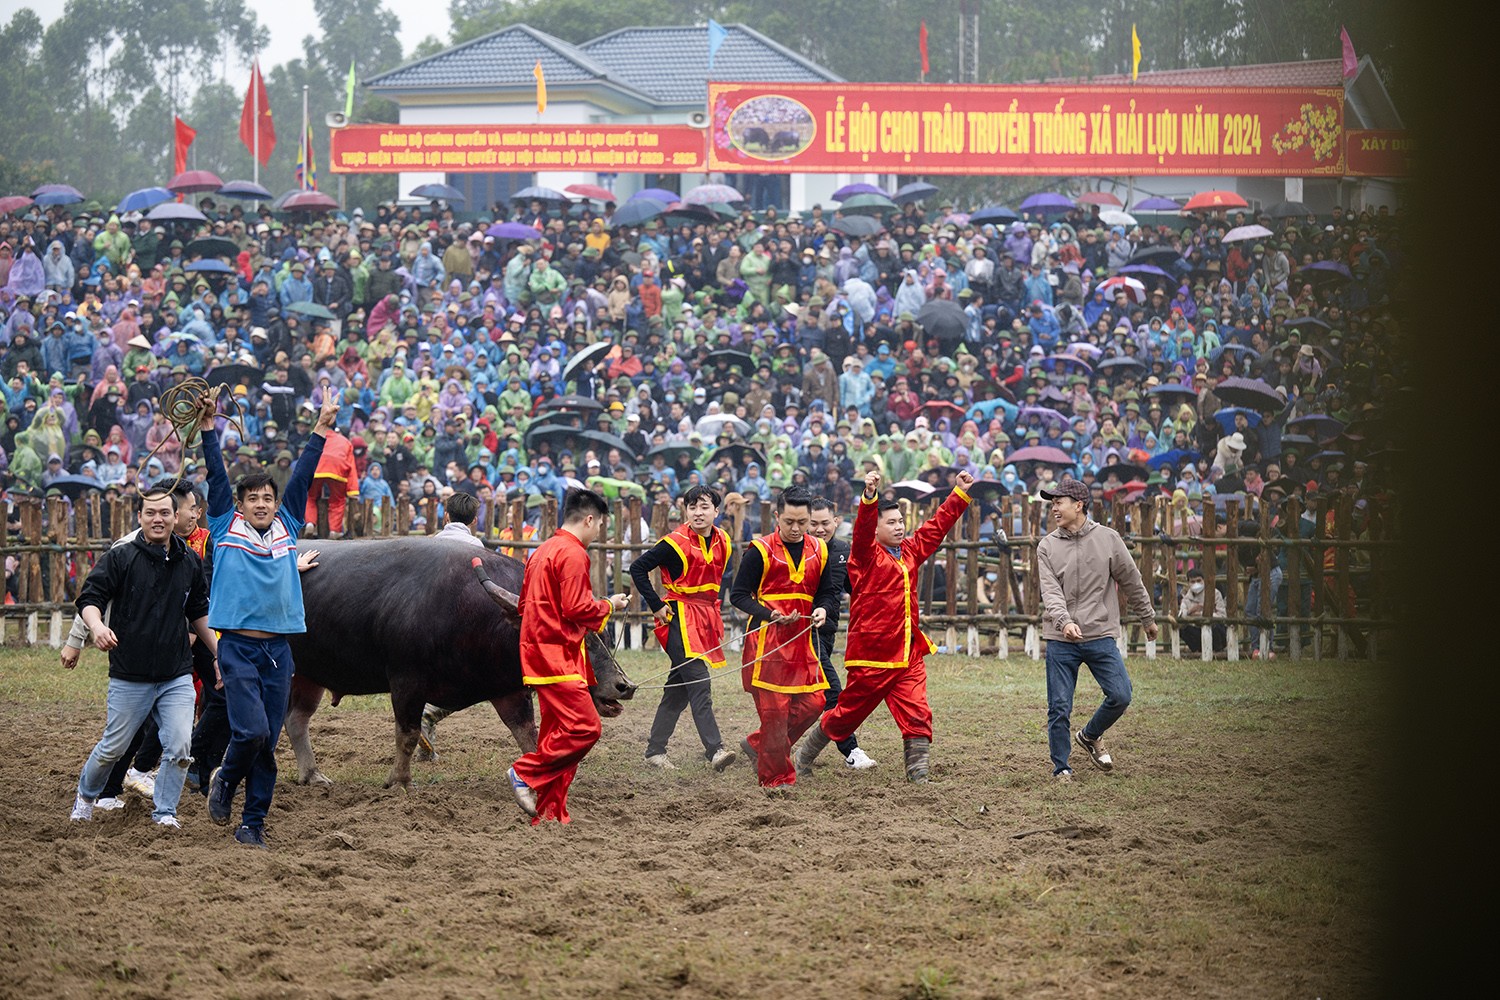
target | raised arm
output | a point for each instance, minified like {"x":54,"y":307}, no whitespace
{"x":220,"y":496}
{"x":294,"y":500}
{"x":925,"y":540}
{"x":865,"y":518}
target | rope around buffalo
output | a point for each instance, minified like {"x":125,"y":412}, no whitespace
{"x":662,"y":687}
{"x":183,"y":406}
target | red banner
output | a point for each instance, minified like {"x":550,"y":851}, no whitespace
{"x":385,"y":149}
{"x":1042,"y":130}
{"x":1379,"y":153}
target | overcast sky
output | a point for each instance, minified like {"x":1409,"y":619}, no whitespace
{"x":290,"y":22}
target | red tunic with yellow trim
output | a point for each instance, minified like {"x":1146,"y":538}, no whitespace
{"x":884,"y":630}
{"x":694,"y":596}
{"x":776,"y":658}
{"x":558,"y":608}
{"x":336,"y":464}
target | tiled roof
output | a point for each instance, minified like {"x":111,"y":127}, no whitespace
{"x":670,"y":64}
{"x":503,"y":58}
{"x":1312,"y":73}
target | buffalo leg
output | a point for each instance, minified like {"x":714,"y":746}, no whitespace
{"x":406,"y":704}
{"x":300,"y":708}
{"x":518,"y":713}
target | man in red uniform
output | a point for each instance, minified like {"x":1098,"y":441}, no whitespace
{"x":337,"y":472}
{"x":693,"y":560}
{"x":557,"y":608}
{"x":886,"y":652}
{"x":782,"y":587}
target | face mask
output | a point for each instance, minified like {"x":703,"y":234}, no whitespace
{"x":1196,"y":588}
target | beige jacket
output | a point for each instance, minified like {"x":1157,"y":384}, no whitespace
{"x":1079,"y":576}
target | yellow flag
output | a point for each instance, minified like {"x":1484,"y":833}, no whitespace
{"x":1135,"y":55}
{"x":541,"y":87}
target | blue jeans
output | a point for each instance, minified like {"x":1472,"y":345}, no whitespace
{"x":127,"y":706}
{"x":1104,"y":662}
{"x":257,"y":680}
{"x":1252,"y":603}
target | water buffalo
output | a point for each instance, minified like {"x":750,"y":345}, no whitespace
{"x":785,"y":140}
{"x":415,"y":617}
{"x":755,"y":137}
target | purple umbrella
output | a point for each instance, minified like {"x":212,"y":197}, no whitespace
{"x":1040,"y":411}
{"x":57,"y":194}
{"x":1066,"y":362}
{"x":512,"y":231}
{"x":1157,"y":205}
{"x":657,"y":194}
{"x":714,"y":194}
{"x":850,"y":190}
{"x":1045,"y":455}
{"x":1047,"y":201}
{"x":1327,"y":270}
{"x":1143,"y":269}
{"x":1251,"y":392}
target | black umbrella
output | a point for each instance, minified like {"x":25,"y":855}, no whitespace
{"x":671,"y":451}
{"x":232,"y":375}
{"x":740,"y":454}
{"x":856,"y":225}
{"x":585,"y":358}
{"x":636,"y":211}
{"x":915,"y":191}
{"x":312,"y":309}
{"x":1308,"y":324}
{"x":1120,"y":364}
{"x":1160,"y":256}
{"x":72,"y":486}
{"x":573,"y":402}
{"x":1123,"y":471}
{"x":1288,"y":210}
{"x":1253,"y":393}
{"x":743,"y":361}
{"x":1297,"y":441}
{"x":943,"y":319}
{"x":559,"y":418}
{"x":606,"y":441}
{"x":998,"y":214}
{"x":212,"y":246}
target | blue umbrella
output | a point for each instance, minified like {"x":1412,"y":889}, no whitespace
{"x":1173,"y":389}
{"x":850,"y":190}
{"x":638,"y":210}
{"x":997,"y":214}
{"x":1157,"y":205}
{"x":915,"y":191}
{"x":57,"y":194}
{"x":1320,"y":424}
{"x":1047,"y":201}
{"x":245,"y":191}
{"x":656,"y":194}
{"x":512,"y":231}
{"x":1174,"y":458}
{"x":539,"y":193}
{"x":209,"y":264}
{"x":1226,"y":416}
{"x":145,"y":198}
{"x":445,"y":192}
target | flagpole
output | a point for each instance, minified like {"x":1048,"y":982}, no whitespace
{"x":306,"y":152}
{"x":255,"y":106}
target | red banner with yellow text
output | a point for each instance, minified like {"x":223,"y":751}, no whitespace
{"x":377,"y":149}
{"x":1044,"y":130}
{"x":1379,"y":153}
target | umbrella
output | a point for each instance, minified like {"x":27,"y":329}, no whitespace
{"x":171,"y":211}
{"x":671,"y":451}
{"x":740,"y":359}
{"x":915,"y":191}
{"x":194,"y":181}
{"x":943,"y":319}
{"x":997,"y":214}
{"x":849,"y":190}
{"x":311,"y":309}
{"x":1121,"y":363}
{"x":1161,"y":256}
{"x":572,"y":402}
{"x":1174,"y":389}
{"x":559,"y":418}
{"x":1043,"y":454}
{"x":512,"y":231}
{"x":442,"y":192}
{"x":1324,"y":456}
{"x":1252,"y":392}
{"x":740,"y":454}
{"x":1115,"y":217}
{"x":245,"y":191}
{"x":584,"y":358}
{"x":208,"y":265}
{"x":593,"y":192}
{"x":712,"y":194}
{"x":957,"y":218}
{"x":1144,"y":269}
{"x":944,"y":408}
{"x":191,"y":338}
{"x":1307,"y":323}
{"x":1226,"y":416}
{"x":1239,"y":233}
{"x":1296,"y":441}
{"x":1123,"y":471}
{"x":696,"y":213}
{"x":1026,"y":412}
{"x":232,"y":375}
{"x":1175,"y":458}
{"x":1130,"y":286}
{"x":57,"y":194}
{"x":1101,"y":198}
{"x":145,"y":198}
{"x":1320,"y":424}
{"x":606,"y":441}
{"x":309,"y":201}
{"x":1326,"y":270}
{"x":1084,"y":348}
{"x":657,"y":194}
{"x":1157,"y":205}
{"x":1214,"y":199}
{"x":1289,"y":210}
{"x":636,"y":211}
{"x":856,"y":225}
{"x":1237,"y":349}
{"x":212,"y":246}
{"x":715,"y":424}
{"x":13,"y":203}
{"x":1047,"y":201}
{"x":72,"y":486}
{"x":863,"y":203}
{"x":913,"y":489}
{"x":1066,"y":363}
{"x":538,"y":193}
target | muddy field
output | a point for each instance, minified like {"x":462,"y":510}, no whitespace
{"x":1229,"y":855}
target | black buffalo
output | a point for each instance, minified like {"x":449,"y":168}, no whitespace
{"x":785,"y":140}
{"x":755,"y":137}
{"x":414,"y":617}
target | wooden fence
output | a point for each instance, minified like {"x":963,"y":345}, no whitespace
{"x":979,"y":595}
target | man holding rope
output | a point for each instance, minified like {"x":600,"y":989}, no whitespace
{"x":886,"y":653}
{"x":784,"y":586}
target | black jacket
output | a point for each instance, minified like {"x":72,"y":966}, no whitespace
{"x":155,"y":594}
{"x":838,"y":568}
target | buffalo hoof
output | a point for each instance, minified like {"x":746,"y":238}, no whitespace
{"x":316,"y":778}
{"x":394,"y":782}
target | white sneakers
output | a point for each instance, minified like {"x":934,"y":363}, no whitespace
{"x":83,"y":810}
{"x":525,"y":795}
{"x":170,"y":821}
{"x":661,"y":762}
{"x":858,"y":760}
{"x":109,"y":804}
{"x":143,"y":783}
{"x":722,"y":758}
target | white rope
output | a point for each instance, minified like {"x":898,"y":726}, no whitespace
{"x":710,"y":677}
{"x":744,"y":635}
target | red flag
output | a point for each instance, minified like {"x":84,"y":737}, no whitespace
{"x":184,"y":136}
{"x":922,"y":44}
{"x":255,"y":118}
{"x":1351,"y":61}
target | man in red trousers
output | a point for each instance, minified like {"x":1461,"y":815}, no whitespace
{"x":338,"y":473}
{"x":558,"y":608}
{"x":886,"y":651}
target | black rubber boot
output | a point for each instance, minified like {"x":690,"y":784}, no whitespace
{"x":812,"y":745}
{"x":917,"y":750}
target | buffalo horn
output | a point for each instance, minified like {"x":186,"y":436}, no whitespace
{"x":509,"y":603}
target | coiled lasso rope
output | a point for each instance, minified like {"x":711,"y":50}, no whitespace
{"x":185,"y":405}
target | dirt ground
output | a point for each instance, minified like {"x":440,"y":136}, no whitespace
{"x":1231,"y":854}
